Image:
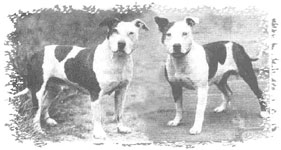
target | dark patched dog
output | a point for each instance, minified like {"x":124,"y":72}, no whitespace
{"x":102,"y":70}
{"x":195,"y":67}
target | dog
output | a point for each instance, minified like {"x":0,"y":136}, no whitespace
{"x":101,"y":71}
{"x":196,"y":67}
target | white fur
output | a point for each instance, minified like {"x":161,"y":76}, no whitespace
{"x":52,"y":67}
{"x":128,"y":33}
{"x":223,"y":105}
{"x":111,"y":68}
{"x":229,"y":64}
{"x":179,"y":111}
{"x":193,"y":78}
{"x":192,"y":70}
{"x":193,"y":61}
{"x":177,"y":37}
{"x":114,"y":71}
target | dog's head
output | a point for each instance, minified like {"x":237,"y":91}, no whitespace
{"x":121,"y":35}
{"x":177,"y":36}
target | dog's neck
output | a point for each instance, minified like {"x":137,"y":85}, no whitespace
{"x":179,"y":64}
{"x":116,"y":62}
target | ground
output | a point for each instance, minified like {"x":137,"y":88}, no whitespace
{"x":148,"y":111}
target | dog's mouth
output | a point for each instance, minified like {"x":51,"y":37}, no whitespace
{"x":120,"y":52}
{"x":180,"y":54}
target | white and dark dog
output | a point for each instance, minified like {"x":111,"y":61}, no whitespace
{"x":195,"y":67}
{"x":102,"y":70}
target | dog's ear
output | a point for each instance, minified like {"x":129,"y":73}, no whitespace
{"x":140,"y":24}
{"x":109,"y":22}
{"x":162,"y":23}
{"x":191,"y":21}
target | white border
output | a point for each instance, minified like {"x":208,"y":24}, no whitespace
{"x":12,"y":6}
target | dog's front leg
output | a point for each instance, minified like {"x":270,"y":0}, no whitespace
{"x":177,"y":94}
{"x":202,"y":93}
{"x":98,"y":131}
{"x":120,"y":98}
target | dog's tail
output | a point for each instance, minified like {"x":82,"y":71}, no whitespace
{"x":23,"y":92}
{"x":254,"y":59}
{"x":259,"y":56}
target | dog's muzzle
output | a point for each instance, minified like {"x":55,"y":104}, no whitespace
{"x":121,"y":48}
{"x":177,"y":51}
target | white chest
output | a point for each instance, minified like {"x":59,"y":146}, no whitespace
{"x":190,"y":71}
{"x":111,"y":67}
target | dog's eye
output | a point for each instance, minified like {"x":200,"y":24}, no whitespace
{"x":168,"y":34}
{"x":131,"y":33}
{"x":184,"y":33}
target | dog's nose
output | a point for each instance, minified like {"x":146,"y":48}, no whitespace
{"x":121,"y":45}
{"x":177,"y":47}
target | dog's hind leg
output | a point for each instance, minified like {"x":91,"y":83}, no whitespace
{"x":246,"y":71}
{"x":226,"y":91}
{"x":40,"y":95}
{"x":46,"y":103}
{"x":250,"y":78}
{"x":226,"y":97}
{"x":54,"y":89}
{"x":177,"y":95}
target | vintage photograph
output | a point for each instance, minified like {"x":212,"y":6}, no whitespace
{"x":141,"y":75}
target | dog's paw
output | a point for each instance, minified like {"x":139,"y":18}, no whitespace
{"x":37,"y":128}
{"x":222,"y":107}
{"x":195,"y":130}
{"x":174,"y":122}
{"x":99,"y":134}
{"x":51,"y":122}
{"x":219,"y":109}
{"x":123,"y":129}
{"x":264,"y":114}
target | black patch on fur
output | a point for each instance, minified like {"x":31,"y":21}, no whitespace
{"x":111,"y":23}
{"x":163,"y":25}
{"x":246,"y":71}
{"x":142,"y":25}
{"x":110,"y":32}
{"x":166,"y":73}
{"x":215,"y":53}
{"x":165,"y":31}
{"x":80,"y":70}
{"x":190,"y":22}
{"x":62,"y":51}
